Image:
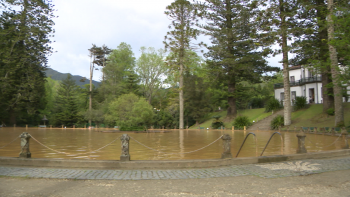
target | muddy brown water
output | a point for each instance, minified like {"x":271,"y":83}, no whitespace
{"x":173,"y":145}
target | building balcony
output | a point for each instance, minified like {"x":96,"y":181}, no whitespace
{"x":300,"y":82}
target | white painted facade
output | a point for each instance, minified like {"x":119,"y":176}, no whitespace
{"x":303,"y":82}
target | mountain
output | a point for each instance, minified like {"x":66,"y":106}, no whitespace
{"x":79,"y":80}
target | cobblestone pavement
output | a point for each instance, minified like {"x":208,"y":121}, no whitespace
{"x":266,"y":170}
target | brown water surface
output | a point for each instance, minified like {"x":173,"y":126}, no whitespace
{"x":173,"y":145}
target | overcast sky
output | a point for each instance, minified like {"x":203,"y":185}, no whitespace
{"x":83,"y":22}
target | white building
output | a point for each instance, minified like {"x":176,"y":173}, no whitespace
{"x":303,"y":82}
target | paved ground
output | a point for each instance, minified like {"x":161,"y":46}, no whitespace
{"x":322,"y":177}
{"x":265,"y":124}
{"x":270,"y":170}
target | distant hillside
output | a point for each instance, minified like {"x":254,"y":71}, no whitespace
{"x":60,"y":76}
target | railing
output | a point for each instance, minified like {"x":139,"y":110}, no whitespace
{"x":25,"y":137}
{"x":300,"y":82}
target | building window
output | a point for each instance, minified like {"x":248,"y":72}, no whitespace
{"x":294,"y":95}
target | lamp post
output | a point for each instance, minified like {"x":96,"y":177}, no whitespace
{"x":44,"y":119}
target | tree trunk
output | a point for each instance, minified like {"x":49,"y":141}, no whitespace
{"x":287,"y":103}
{"x":338,"y":96}
{"x":327,"y":92}
{"x":90,"y":95}
{"x":231,"y":110}
{"x":181,"y":98}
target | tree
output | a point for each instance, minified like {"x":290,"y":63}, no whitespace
{"x":311,"y":44}
{"x":25,"y":28}
{"x":236,"y":52}
{"x":130,"y":110}
{"x":66,"y":112}
{"x":178,"y":40}
{"x":120,"y":64}
{"x":152,"y":70}
{"x":337,"y":88}
{"x":279,"y":21}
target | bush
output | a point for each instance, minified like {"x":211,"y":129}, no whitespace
{"x":241,"y":121}
{"x":139,"y":128}
{"x":330,"y":111}
{"x":272,"y":104}
{"x":217,"y":123}
{"x":300,"y":102}
{"x":277,"y":122}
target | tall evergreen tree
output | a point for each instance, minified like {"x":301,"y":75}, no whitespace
{"x":337,"y":86}
{"x":178,"y":40}
{"x":66,"y":112}
{"x":279,"y":21}
{"x":25,"y":27}
{"x":236,"y":52}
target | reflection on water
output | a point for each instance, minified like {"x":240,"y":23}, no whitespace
{"x":77,"y":141}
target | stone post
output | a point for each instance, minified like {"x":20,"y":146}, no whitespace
{"x":125,"y":148}
{"x":25,"y":153}
{"x":301,"y":142}
{"x":344,"y":133}
{"x":227,"y":146}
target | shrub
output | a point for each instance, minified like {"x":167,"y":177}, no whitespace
{"x":241,"y":121}
{"x":217,"y":123}
{"x":272,"y":104}
{"x":300,"y":103}
{"x":277,"y":122}
{"x":330,"y":111}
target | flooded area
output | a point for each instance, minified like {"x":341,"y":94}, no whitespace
{"x":172,"y":145}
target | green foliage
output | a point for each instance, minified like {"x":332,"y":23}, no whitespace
{"x":25,"y":27}
{"x":272,"y":104}
{"x":300,"y":103}
{"x":163,"y":118}
{"x":241,"y":121}
{"x":118,"y":72}
{"x":66,"y":106}
{"x":330,"y":111}
{"x":217,"y":123}
{"x":236,"y":53}
{"x":130,"y":110}
{"x":132,"y":128}
{"x":151,"y":68}
{"x":277,"y":122}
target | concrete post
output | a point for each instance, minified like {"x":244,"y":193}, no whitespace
{"x":25,"y":153}
{"x":125,"y":148}
{"x":227,"y":146}
{"x":344,"y":133}
{"x":301,"y":142}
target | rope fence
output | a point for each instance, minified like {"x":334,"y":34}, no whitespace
{"x":9,"y":143}
{"x":176,"y":153}
{"x":323,"y":146}
{"x":75,"y":153}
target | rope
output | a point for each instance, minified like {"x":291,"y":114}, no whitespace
{"x":324,"y":146}
{"x":175,"y":153}
{"x":76,"y":153}
{"x":9,"y":143}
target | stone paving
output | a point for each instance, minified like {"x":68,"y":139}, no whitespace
{"x":266,"y":170}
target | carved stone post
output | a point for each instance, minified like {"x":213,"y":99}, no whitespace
{"x":227,"y":146}
{"x":301,"y":142}
{"x":125,"y":148}
{"x":25,"y":153}
{"x":344,"y":133}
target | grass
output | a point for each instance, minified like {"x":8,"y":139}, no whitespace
{"x":310,"y":117}
{"x":252,"y":114}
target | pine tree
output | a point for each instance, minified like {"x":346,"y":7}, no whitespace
{"x":237,"y":50}
{"x":24,"y":46}
{"x":66,"y":112}
{"x":178,"y":40}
